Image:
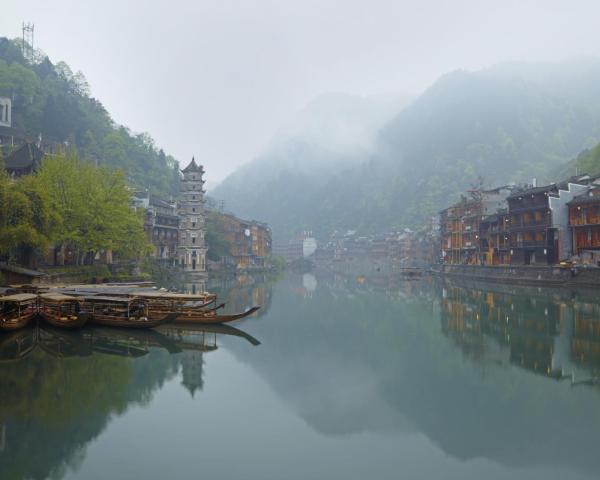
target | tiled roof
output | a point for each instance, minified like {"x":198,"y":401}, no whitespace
{"x":584,"y":198}
{"x":193,"y":167}
{"x":26,"y":156}
{"x":534,"y":190}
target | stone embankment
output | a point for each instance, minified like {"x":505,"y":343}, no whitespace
{"x":528,"y":274}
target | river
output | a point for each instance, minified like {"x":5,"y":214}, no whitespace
{"x":334,"y":378}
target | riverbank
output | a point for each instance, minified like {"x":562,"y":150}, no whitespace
{"x":527,"y":274}
{"x":95,"y":273}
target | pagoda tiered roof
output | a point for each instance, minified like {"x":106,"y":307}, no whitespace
{"x":193,"y":167}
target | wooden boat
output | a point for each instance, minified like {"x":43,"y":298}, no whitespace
{"x":17,"y":310}
{"x":62,"y":311}
{"x":173,"y":302}
{"x":122,"y":312}
{"x":211,"y":317}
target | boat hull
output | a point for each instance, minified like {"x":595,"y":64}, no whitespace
{"x":68,"y":323}
{"x":197,"y":318}
{"x":17,"y":323}
{"x":124,"y":322}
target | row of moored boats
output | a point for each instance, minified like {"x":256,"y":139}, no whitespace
{"x":113,"y":306}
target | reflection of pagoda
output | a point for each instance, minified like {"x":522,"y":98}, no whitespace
{"x":192,"y":367}
{"x":194,"y":343}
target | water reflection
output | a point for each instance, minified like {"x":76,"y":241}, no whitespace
{"x":474,"y":369}
{"x":504,"y":374}
{"x":551,"y":333}
{"x":60,"y":389}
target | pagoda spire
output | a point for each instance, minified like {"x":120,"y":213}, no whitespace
{"x":193,"y":167}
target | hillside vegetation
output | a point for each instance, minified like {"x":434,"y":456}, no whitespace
{"x":505,"y":124}
{"x":588,"y":161}
{"x":52,"y":101}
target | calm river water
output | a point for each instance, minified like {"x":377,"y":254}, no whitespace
{"x":335,"y":378}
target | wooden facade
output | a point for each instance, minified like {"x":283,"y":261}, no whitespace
{"x":161,"y":223}
{"x":584,"y":221}
{"x":494,"y":235}
{"x":460,"y":232}
{"x":462,"y":223}
{"x":535,"y":226}
{"x":250,"y":241}
{"x":532,"y":239}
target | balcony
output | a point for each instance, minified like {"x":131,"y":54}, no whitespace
{"x":531,"y":225}
{"x":585,"y":243}
{"x":587,"y":221}
{"x":530,"y":243}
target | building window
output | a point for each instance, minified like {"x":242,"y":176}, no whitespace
{"x":193,"y":197}
{"x":193,"y":209}
{"x":193,"y":239}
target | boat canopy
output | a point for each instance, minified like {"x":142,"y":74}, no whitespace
{"x":108,"y":299}
{"x":58,"y":297}
{"x":176,"y":296}
{"x":19,"y":298}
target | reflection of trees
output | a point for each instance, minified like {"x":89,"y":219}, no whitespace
{"x":60,"y":389}
{"x":349,"y":360}
{"x":52,"y":407}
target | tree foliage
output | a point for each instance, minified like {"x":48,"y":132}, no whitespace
{"x":92,"y":205}
{"x":25,"y":217}
{"x":218,"y":245}
{"x":52,"y":101}
{"x":588,"y":161}
{"x":70,"y":203}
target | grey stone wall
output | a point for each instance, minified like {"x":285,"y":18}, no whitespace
{"x":527,"y":274}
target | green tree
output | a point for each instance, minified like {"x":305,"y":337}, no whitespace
{"x":25,"y":219}
{"x":93,"y":208}
{"x":218,"y":245}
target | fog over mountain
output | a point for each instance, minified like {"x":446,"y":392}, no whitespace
{"x":349,"y":162}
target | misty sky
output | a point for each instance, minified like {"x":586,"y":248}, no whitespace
{"x":216,"y":79}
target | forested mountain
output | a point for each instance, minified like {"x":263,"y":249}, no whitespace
{"x":508,"y":123}
{"x":588,"y":161}
{"x":334,"y":133}
{"x":52,"y":101}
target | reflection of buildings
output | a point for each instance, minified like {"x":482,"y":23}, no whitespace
{"x":585,"y":343}
{"x":194,"y":287}
{"x":543,"y":334}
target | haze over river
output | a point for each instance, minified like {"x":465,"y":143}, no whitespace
{"x":352,"y":379}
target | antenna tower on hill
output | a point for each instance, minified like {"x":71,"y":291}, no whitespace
{"x":27,"y":42}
